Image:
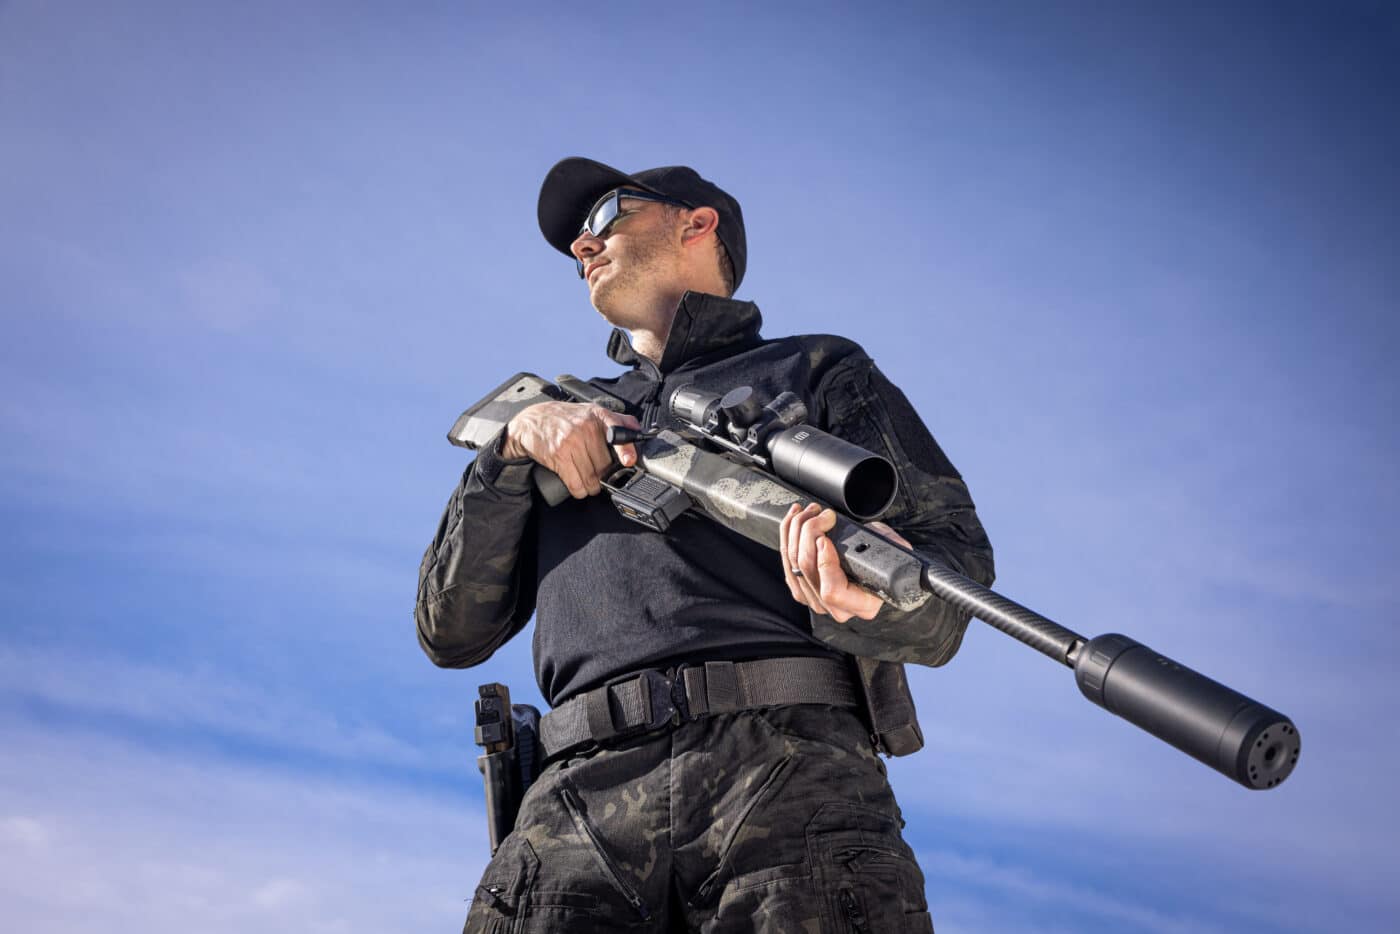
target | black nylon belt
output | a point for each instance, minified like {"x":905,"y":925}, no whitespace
{"x":652,"y":699}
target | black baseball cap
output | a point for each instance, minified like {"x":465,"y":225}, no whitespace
{"x":575,"y":184}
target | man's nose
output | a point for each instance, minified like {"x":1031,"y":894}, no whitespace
{"x":586,"y":245}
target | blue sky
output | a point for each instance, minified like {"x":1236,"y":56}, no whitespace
{"x":1135,"y":263}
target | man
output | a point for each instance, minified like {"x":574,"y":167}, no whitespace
{"x":756,"y":800}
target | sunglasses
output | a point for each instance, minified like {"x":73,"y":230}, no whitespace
{"x":606,"y":212}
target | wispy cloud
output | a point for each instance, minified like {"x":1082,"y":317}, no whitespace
{"x":1020,"y":899}
{"x":97,"y":836}
{"x":147,"y":448}
{"x":204,"y":700}
{"x":1041,"y":761}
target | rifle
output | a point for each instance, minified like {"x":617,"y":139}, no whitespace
{"x":742,"y":463}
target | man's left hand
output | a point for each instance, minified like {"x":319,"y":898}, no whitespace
{"x":813,"y":570}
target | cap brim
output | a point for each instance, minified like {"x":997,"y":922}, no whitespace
{"x":570,"y":189}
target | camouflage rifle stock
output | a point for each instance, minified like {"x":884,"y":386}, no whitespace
{"x":726,"y":466}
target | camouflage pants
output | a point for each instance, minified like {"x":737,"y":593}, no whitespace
{"x":771,"y":821}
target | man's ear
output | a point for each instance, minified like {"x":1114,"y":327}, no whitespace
{"x":698,"y":223}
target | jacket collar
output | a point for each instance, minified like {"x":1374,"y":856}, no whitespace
{"x":703,"y":325}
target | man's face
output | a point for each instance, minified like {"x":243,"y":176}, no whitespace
{"x":634,"y":262}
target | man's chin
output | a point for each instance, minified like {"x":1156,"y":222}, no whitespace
{"x":598,"y":302}
{"x":603,"y":300}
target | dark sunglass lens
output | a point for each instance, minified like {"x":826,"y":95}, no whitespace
{"x":603,"y":214}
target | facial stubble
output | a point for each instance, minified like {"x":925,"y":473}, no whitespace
{"x":625,"y":293}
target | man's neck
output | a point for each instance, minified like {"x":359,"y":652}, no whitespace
{"x":649,"y":332}
{"x":650,"y":343}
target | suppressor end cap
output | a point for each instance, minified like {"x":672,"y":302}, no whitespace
{"x":1271,"y":752}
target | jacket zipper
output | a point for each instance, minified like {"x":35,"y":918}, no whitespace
{"x":609,"y":867}
{"x":651,"y":402}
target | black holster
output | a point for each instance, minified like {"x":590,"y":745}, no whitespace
{"x":510,"y":734}
{"x":889,"y":705}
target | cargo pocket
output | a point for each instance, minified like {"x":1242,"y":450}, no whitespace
{"x":865,"y":873}
{"x":498,"y":904}
{"x":516,"y":897}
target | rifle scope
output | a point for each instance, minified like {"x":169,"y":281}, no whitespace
{"x":852,"y":479}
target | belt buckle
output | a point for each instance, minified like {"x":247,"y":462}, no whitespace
{"x":679,"y":699}
{"x":661,"y":710}
{"x":668,"y":706}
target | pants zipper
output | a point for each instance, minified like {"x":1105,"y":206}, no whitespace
{"x":853,"y":911}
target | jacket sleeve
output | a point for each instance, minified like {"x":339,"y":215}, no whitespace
{"x":476,"y":586}
{"x":932,"y":509}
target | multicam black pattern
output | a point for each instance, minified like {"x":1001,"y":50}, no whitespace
{"x":468,"y":601}
{"x":775,"y":821}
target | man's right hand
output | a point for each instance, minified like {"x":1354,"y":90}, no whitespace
{"x":570,"y":438}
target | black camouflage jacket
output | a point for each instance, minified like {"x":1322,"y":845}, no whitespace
{"x":611,"y":597}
